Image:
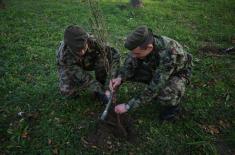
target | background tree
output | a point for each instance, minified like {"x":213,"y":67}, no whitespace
{"x":2,"y":4}
{"x":136,"y":3}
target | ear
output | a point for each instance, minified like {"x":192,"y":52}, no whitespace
{"x":150,"y":46}
{"x":86,"y":46}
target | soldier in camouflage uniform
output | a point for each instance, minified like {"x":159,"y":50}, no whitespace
{"x":159,"y":62}
{"x":79,"y":54}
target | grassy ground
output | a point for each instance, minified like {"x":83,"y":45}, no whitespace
{"x":30,"y":33}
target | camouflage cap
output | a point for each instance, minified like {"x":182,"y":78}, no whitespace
{"x":141,"y":36}
{"x":75,"y":37}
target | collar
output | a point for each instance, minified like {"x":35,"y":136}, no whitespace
{"x":158,"y":43}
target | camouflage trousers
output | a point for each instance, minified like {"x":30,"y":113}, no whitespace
{"x":80,"y":79}
{"x":171,"y":94}
{"x":74,"y":79}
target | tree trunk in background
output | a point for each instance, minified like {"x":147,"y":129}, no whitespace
{"x":2,"y":4}
{"x":136,"y":3}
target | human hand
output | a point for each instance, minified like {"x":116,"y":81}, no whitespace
{"x":121,"y":108}
{"x":108,"y":94}
{"x":114,"y":83}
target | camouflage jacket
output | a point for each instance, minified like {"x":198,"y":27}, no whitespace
{"x":166,"y":60}
{"x":67,"y":57}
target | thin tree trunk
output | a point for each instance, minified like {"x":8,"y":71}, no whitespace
{"x":2,"y":5}
{"x":136,"y":3}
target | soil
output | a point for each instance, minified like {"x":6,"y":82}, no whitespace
{"x":107,"y":132}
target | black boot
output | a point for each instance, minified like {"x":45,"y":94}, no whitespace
{"x":169,"y":113}
{"x":101,"y":97}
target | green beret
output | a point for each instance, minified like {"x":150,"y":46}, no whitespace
{"x":141,"y":36}
{"x":75,"y":37}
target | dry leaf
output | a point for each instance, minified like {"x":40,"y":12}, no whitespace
{"x":211,"y":129}
{"x":24,"y":134}
{"x":49,"y":141}
{"x":224,"y":124}
{"x":84,"y":141}
{"x":93,"y":146}
{"x":109,"y":142}
{"x":55,"y":151}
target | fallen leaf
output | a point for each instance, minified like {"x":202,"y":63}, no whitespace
{"x":93,"y":146}
{"x":212,"y":129}
{"x":227,"y":98}
{"x":224,"y":124}
{"x":24,"y":134}
{"x":20,"y":113}
{"x":84,"y":141}
{"x":140,"y":121}
{"x":32,"y":115}
{"x":49,"y":141}
{"x":109,"y":142}
{"x":57,"y":119}
{"x":55,"y":151}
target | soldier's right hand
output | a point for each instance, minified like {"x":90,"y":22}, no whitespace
{"x":121,"y":108}
{"x":114,"y":83}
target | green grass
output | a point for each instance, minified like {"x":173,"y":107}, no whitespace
{"x":30,"y":33}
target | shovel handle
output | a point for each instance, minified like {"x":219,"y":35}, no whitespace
{"x":105,"y":113}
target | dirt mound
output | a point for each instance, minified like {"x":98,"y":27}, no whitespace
{"x":107,"y":132}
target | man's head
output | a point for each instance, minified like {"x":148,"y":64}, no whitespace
{"x":76,"y":38}
{"x":140,"y":42}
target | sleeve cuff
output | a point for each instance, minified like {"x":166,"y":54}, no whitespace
{"x":133,"y":103}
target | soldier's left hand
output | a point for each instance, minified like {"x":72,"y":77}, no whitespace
{"x":107,"y":93}
{"x":121,"y":108}
{"x":114,"y":83}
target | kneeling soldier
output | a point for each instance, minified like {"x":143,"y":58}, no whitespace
{"x":79,"y":54}
{"x":159,"y":62}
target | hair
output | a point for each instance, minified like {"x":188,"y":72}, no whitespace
{"x":148,"y":41}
